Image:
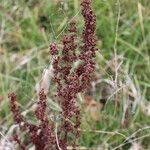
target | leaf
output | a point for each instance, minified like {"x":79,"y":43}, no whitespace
{"x":45,"y":80}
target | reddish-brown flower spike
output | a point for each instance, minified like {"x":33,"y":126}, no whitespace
{"x":18,"y":141}
{"x":41,"y":106}
{"x":42,"y":135}
{"x":18,"y":118}
{"x":89,"y":42}
{"x":45,"y":135}
{"x":53,"y":49}
{"x":72,"y":27}
{"x":70,"y":79}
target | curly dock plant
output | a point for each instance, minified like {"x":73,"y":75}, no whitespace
{"x":73,"y":66}
{"x":73,"y":79}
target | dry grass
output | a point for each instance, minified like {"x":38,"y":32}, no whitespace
{"x":122,"y":71}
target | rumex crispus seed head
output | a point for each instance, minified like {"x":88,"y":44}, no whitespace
{"x":71,"y":79}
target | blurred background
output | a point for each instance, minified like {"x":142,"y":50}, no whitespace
{"x":27,"y":27}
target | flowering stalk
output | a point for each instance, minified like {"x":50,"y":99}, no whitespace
{"x":71,"y":80}
{"x":42,"y":135}
{"x":18,"y":141}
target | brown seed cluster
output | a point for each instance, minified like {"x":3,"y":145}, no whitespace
{"x":89,"y":42}
{"x":71,"y":79}
{"x":67,"y":83}
{"x":41,"y":135}
{"x":14,"y":109}
{"x":73,"y":66}
{"x":18,"y":141}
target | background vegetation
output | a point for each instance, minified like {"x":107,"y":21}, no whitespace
{"x":122,"y":71}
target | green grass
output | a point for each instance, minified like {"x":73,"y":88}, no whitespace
{"x":28,"y":26}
